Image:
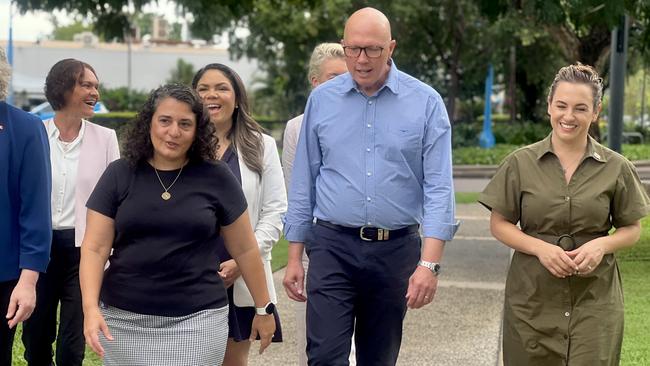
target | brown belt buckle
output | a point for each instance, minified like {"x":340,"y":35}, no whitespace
{"x":559,"y":242}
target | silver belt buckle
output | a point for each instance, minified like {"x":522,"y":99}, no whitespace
{"x":361,"y":233}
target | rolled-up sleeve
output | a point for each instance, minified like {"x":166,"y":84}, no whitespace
{"x":298,"y":220}
{"x":439,"y":208}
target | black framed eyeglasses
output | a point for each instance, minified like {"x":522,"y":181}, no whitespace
{"x":371,"y":51}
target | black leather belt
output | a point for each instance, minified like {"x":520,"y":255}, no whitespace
{"x":371,"y":233}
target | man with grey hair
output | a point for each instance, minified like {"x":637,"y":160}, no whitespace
{"x":327,"y":62}
{"x":25,"y":221}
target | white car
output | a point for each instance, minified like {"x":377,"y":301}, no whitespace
{"x":44,"y":110}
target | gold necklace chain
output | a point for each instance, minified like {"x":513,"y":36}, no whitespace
{"x":166,"y":195}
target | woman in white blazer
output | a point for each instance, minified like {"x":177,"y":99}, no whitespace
{"x":79,"y":153}
{"x":253,"y":158}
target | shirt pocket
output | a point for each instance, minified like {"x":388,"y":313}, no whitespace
{"x":403,"y":144}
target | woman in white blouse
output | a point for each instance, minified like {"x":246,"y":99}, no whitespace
{"x":253,"y":158}
{"x":79,"y":153}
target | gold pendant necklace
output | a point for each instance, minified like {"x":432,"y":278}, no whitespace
{"x":166,"y":195}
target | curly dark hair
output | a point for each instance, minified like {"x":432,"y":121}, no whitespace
{"x":61,"y":80}
{"x":137,"y":145}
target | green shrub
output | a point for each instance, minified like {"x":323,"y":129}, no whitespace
{"x":118,"y":99}
{"x":114,"y":120}
{"x":480,"y":156}
{"x":519,"y":133}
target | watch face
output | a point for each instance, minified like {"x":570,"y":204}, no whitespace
{"x":436,"y":268}
{"x":270,"y":308}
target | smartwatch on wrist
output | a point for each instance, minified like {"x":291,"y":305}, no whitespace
{"x":268,"y":309}
{"x":432,"y":266}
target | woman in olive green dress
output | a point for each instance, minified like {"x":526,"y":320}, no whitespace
{"x":564,"y":301}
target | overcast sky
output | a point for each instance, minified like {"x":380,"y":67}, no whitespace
{"x":34,"y":25}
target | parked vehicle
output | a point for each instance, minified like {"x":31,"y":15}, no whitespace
{"x":44,"y":110}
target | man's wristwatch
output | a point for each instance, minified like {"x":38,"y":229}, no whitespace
{"x":268,"y":309}
{"x":433,"y":267}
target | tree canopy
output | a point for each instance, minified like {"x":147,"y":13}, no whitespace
{"x":446,"y":43}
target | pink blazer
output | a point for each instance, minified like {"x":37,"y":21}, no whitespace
{"x":99,"y":148}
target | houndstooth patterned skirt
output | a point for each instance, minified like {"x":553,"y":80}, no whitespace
{"x":150,"y":340}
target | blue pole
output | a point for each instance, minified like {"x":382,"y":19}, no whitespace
{"x":486,"y":139}
{"x":10,"y":52}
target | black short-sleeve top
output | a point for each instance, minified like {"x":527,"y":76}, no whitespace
{"x":164,"y":259}
{"x":529,"y":187}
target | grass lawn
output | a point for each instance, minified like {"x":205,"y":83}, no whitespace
{"x":635,"y":270}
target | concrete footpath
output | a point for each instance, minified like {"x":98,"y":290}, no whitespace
{"x":462,"y":325}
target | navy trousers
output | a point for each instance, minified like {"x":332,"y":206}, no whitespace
{"x":357,"y":285}
{"x":60,"y":284}
{"x":6,"y":334}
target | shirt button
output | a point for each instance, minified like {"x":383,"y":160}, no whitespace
{"x":369,"y":223}
{"x":567,"y":314}
{"x":370,"y":102}
{"x":567,"y":198}
{"x":369,"y":125}
{"x":566,"y":336}
{"x":368,"y":199}
{"x":368,"y":174}
{"x":63,"y":173}
{"x":368,"y":149}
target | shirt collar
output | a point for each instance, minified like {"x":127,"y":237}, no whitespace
{"x":594,"y":149}
{"x":53,"y":131}
{"x":392,"y":81}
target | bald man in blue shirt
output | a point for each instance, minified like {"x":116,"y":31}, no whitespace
{"x":25,"y":221}
{"x":373,"y":163}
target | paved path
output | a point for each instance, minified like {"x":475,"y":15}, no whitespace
{"x":461,"y":326}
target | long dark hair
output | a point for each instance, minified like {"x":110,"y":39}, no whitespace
{"x":246,"y":133}
{"x":138,"y":146}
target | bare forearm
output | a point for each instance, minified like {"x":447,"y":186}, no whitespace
{"x":91,"y":274}
{"x":512,"y":236}
{"x":28,"y":276}
{"x":295,"y":252}
{"x":432,"y":249}
{"x":252,"y":270}
{"x":623,"y":237}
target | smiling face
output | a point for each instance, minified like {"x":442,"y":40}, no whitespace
{"x":218,"y":95}
{"x":173,"y":129}
{"x":368,"y":28}
{"x":571,"y":111}
{"x":83,"y":97}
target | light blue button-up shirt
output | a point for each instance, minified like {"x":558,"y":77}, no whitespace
{"x":382,"y":160}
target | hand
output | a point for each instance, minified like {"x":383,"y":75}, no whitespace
{"x":556,"y":260}
{"x":93,"y":324}
{"x":294,"y":280}
{"x":422,"y":288}
{"x":229,"y":272}
{"x":588,"y":256}
{"x":21,"y":302}
{"x":264,"y":326}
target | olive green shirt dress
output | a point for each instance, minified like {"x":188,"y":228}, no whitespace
{"x":577,"y":320}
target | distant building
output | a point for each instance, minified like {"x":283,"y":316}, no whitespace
{"x":151,"y":65}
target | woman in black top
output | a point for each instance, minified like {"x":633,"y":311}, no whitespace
{"x":161,"y":212}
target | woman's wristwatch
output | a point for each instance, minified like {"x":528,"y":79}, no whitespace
{"x":268,"y":309}
{"x":432,"y":266}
